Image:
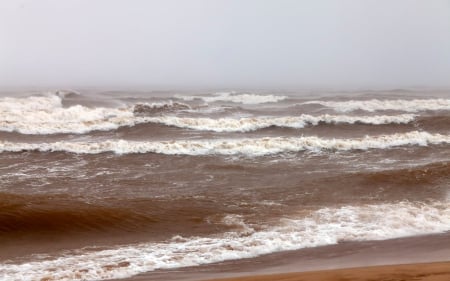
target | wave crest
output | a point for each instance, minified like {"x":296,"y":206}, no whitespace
{"x":257,"y":123}
{"x":320,"y":227}
{"x":46,"y":115}
{"x":372,"y":105}
{"x":249,"y":147}
{"x":244,"y":98}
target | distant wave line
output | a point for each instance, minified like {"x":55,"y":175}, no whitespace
{"x":46,"y":115}
{"x":414,"y":105}
{"x":243,"y":98}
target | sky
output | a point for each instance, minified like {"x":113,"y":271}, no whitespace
{"x":224,"y":43}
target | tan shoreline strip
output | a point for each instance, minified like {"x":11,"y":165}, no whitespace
{"x":411,"y":272}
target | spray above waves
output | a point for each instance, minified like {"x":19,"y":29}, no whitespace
{"x":325,"y":226}
{"x":248,"y":147}
{"x":372,"y":105}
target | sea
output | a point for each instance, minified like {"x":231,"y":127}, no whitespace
{"x":109,"y":185}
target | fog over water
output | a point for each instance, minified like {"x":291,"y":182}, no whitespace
{"x":223,"y":43}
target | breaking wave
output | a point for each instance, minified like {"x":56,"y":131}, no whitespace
{"x":372,"y":105}
{"x":256,"y":123}
{"x":249,"y":147}
{"x":46,"y":115}
{"x":234,"y":97}
{"x":325,"y":226}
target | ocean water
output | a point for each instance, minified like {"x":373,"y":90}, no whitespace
{"x":113,"y":184}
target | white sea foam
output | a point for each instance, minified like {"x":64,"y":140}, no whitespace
{"x":46,"y":115}
{"x":321,"y":227}
{"x":244,"y":98}
{"x":372,"y":105}
{"x":249,"y":147}
{"x":255,"y":123}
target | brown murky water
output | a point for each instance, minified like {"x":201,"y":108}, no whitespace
{"x":109,"y":186}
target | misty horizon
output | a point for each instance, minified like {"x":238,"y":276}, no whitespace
{"x":232,"y":45}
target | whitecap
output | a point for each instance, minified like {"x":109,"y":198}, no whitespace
{"x":324,"y":226}
{"x":414,"y":105}
{"x":248,"y":146}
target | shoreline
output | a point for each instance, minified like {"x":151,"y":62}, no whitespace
{"x":412,"y":251}
{"x":439,"y":271}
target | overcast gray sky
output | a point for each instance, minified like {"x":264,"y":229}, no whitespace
{"x":224,"y":43}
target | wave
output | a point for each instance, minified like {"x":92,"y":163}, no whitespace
{"x":372,"y":105}
{"x":46,"y":115}
{"x":46,"y":215}
{"x":67,"y":94}
{"x":234,"y":97}
{"x":324,"y":226}
{"x":38,"y":214}
{"x":256,"y":123}
{"x":248,"y":147}
{"x":159,"y":107}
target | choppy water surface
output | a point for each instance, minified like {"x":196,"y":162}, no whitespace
{"x":115,"y":184}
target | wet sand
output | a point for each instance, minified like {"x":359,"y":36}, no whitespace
{"x":410,"y":272}
{"x":394,"y":259}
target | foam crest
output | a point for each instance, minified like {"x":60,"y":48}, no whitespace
{"x":257,"y":123}
{"x":321,"y":227}
{"x":249,"y":147}
{"x":372,"y":105}
{"x":33,"y":103}
{"x":79,"y":120}
{"x":244,"y":98}
{"x":46,"y":115}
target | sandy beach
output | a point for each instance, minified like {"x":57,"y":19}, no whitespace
{"x":410,"y":272}
{"x":403,"y":259}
